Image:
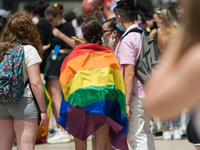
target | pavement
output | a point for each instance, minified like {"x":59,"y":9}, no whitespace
{"x":159,"y":143}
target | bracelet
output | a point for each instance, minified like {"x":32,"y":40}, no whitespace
{"x":128,"y":104}
{"x":43,"y":111}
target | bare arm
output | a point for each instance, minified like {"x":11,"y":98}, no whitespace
{"x":36,"y":85}
{"x":128,"y":83}
{"x":65,"y":38}
{"x":176,"y":85}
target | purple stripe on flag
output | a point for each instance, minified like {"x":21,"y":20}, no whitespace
{"x":81,"y":125}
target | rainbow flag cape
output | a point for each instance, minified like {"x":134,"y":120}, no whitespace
{"x":94,"y":94}
{"x":43,"y":131}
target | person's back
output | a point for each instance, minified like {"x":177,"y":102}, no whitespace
{"x":19,"y":119}
{"x":167,"y":28}
{"x":165,"y":33}
{"x":93,"y":87}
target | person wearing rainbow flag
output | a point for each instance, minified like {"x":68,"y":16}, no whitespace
{"x":94,"y":96}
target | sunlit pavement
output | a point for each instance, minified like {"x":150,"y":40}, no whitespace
{"x":160,"y":145}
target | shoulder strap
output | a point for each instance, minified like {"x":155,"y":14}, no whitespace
{"x":26,"y":83}
{"x":156,"y":35}
{"x":133,"y":30}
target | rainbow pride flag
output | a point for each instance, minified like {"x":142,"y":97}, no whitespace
{"x":94,"y":94}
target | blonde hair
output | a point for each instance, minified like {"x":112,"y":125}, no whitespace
{"x":189,"y":34}
{"x":165,"y":15}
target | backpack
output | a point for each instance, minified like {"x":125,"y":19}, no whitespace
{"x":149,"y":55}
{"x":11,"y":75}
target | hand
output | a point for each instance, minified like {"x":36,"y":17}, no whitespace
{"x":78,"y":40}
{"x":46,"y":46}
{"x":128,"y":111}
{"x":44,"y":119}
{"x":56,"y":32}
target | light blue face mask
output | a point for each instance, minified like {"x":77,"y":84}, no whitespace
{"x":103,"y":19}
{"x":120,"y":27}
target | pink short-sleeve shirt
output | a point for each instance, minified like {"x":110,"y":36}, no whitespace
{"x":127,"y":52}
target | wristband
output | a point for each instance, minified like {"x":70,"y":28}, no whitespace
{"x":43,"y":111}
{"x":128,"y":104}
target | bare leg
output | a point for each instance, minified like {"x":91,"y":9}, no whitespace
{"x":109,"y":147}
{"x":7,"y":135}
{"x":55,"y":91}
{"x":79,"y":144}
{"x":101,"y":137}
{"x":26,"y":131}
{"x":93,"y":143}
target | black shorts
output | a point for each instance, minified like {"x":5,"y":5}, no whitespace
{"x":192,"y":134}
{"x":52,"y":67}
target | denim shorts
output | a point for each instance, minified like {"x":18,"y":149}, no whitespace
{"x":22,"y":109}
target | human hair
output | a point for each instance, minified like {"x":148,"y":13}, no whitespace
{"x":29,"y":7}
{"x":92,"y":30}
{"x":54,"y":10}
{"x":165,"y":15}
{"x":69,"y":16}
{"x":19,"y":29}
{"x":79,"y":20}
{"x":112,"y":26}
{"x":126,"y":9}
{"x":40,"y":7}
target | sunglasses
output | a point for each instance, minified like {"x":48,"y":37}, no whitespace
{"x":84,"y":18}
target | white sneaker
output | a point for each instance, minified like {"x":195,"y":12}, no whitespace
{"x":59,"y":137}
{"x":176,"y":135}
{"x":167,"y":135}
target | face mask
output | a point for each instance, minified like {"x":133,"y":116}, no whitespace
{"x":120,"y":27}
{"x":111,"y":40}
{"x":102,"y":39}
{"x":59,"y":22}
{"x":103,"y":19}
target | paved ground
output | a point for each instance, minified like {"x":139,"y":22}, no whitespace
{"x":160,"y":145}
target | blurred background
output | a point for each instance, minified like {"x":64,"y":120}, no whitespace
{"x":75,"y":5}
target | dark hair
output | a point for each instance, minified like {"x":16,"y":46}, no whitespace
{"x":69,"y":16}
{"x":54,"y":10}
{"x":92,"y":30}
{"x":79,"y":20}
{"x":3,"y":22}
{"x":40,"y":7}
{"x":126,"y":9}
{"x":19,"y":29}
{"x":29,"y":7}
{"x":112,"y":26}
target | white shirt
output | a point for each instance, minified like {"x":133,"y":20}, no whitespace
{"x":31,"y":57}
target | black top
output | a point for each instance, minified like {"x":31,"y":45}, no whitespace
{"x":65,"y":28}
{"x":44,"y":29}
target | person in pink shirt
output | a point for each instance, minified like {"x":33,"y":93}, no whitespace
{"x":127,"y":53}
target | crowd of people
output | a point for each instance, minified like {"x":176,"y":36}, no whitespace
{"x":87,"y":64}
